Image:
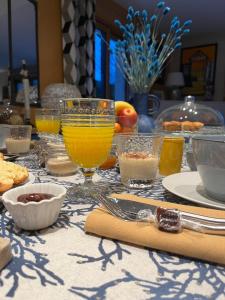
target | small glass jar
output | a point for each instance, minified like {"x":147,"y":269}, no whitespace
{"x":57,"y":161}
{"x":171,"y":155}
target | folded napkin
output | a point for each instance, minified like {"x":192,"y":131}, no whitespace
{"x":5,"y":252}
{"x":188,"y":243}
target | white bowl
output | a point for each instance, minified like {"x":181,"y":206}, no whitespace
{"x":35,"y":215}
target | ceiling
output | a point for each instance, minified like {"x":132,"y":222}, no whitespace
{"x":206,"y":15}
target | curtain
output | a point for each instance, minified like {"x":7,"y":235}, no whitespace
{"x":78,"y":22}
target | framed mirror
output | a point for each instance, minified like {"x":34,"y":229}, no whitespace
{"x":19,"y":44}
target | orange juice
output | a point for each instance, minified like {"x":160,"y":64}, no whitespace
{"x":88,"y":146}
{"x":48,"y":125}
{"x":171,"y":155}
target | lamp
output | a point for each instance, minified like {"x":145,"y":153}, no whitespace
{"x":174,"y":81}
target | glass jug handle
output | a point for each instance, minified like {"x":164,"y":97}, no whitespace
{"x":155,"y":104}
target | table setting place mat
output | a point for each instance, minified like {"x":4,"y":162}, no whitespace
{"x":186,"y":243}
{"x":5,"y":252}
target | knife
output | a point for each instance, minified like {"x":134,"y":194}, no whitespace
{"x":134,"y":207}
{"x":166,"y":219}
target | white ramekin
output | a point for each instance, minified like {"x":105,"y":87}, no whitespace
{"x":35,"y":215}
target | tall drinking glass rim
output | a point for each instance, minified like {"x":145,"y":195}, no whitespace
{"x":43,"y":109}
{"x":88,"y":100}
{"x":150,"y":135}
{"x":85,"y":99}
{"x":88,"y":107}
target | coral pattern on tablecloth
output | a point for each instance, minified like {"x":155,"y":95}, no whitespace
{"x":62,"y":262}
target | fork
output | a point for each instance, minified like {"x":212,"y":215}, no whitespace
{"x":114,"y":208}
{"x":170,"y":221}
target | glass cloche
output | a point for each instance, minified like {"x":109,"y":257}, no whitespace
{"x":54,"y":93}
{"x":189,"y":118}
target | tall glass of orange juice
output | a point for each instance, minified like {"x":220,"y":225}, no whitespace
{"x":47,"y":121}
{"x":88,"y":128}
{"x":171,"y":155}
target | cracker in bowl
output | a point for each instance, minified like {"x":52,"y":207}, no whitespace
{"x":5,"y":183}
{"x":11,"y":174}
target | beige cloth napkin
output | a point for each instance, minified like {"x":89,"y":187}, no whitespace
{"x":5,"y":252}
{"x":188,"y":243}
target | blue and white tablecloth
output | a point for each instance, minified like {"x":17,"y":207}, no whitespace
{"x":62,"y":262}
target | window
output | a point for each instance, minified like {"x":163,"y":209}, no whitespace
{"x":117,"y":83}
{"x":109,"y":79}
{"x":100,"y":64}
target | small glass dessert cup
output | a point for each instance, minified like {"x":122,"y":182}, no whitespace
{"x":138,"y":156}
{"x":124,"y":124}
{"x":18,"y":139}
{"x":57,"y":161}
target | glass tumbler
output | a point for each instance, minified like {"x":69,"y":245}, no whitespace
{"x":47,"y":122}
{"x":18,"y":139}
{"x":171,"y":155}
{"x":138,"y":156}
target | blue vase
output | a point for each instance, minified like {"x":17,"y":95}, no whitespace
{"x":141,"y":105}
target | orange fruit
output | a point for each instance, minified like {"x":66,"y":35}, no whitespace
{"x":109,"y":163}
{"x":127,"y":129}
{"x":117,"y":128}
{"x":103,"y":104}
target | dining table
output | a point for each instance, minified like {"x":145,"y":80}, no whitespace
{"x":64,"y":262}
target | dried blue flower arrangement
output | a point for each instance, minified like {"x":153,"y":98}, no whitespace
{"x":143,"y":51}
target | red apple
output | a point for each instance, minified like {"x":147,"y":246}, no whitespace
{"x":127,"y":117}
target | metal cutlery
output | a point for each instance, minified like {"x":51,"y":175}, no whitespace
{"x":135,"y":207}
{"x":169,"y":220}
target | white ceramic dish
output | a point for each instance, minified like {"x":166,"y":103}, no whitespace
{"x":35,"y":215}
{"x":188,"y":185}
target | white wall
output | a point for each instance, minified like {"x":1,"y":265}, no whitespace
{"x":219,"y":39}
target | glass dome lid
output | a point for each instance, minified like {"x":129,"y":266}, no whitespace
{"x":189,"y":117}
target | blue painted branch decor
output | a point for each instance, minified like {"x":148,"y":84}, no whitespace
{"x":144,"y":50}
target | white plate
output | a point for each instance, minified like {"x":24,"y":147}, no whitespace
{"x":29,"y":180}
{"x":188,"y":185}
